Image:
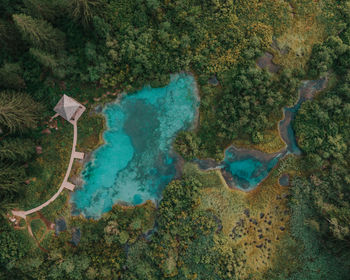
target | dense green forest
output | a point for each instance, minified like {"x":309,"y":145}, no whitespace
{"x":87,"y":47}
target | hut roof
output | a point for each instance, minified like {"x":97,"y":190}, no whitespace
{"x":66,"y":107}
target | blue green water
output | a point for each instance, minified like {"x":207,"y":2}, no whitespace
{"x":245,"y":169}
{"x":136,"y":162}
{"x":307,"y":91}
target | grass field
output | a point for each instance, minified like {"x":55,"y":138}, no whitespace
{"x":38,"y":228}
{"x":310,"y":23}
{"x":254,"y":222}
{"x":272,"y":142}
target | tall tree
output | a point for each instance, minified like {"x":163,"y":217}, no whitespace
{"x":16,"y":149}
{"x":11,"y":41}
{"x":82,"y":10}
{"x":45,"y":9}
{"x":11,"y":180}
{"x":53,"y":63}
{"x":18,"y":111}
{"x":11,"y":76}
{"x":39,"y":33}
{"x":46,"y":59}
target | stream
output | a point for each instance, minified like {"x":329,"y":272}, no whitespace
{"x":244,"y":168}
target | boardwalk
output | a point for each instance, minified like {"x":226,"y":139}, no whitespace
{"x":65,"y":184}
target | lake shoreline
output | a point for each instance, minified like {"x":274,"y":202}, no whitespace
{"x":189,"y":106}
{"x":307,"y":91}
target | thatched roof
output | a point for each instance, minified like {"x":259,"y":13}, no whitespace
{"x":66,"y":107}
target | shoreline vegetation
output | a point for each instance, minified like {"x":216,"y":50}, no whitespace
{"x":180,"y":93}
{"x":306,"y":91}
{"x":201,"y":228}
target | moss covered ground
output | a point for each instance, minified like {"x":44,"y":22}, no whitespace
{"x":254,"y":222}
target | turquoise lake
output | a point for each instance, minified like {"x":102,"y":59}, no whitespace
{"x":137,"y":162}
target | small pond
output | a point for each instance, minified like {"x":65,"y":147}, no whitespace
{"x":284,"y":180}
{"x":244,"y":168}
{"x":247,"y":168}
{"x":137,"y":162}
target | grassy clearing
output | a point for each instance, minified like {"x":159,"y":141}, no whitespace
{"x":59,"y":207}
{"x":272,"y":142}
{"x":91,"y":126}
{"x":38,"y":228}
{"x":254,"y":222}
{"x":47,"y":239}
{"x":311,"y":22}
{"x":49,"y":168}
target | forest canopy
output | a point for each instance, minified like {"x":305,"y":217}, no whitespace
{"x":85,"y":48}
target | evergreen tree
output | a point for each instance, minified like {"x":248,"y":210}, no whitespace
{"x":81,"y":10}
{"x":44,"y":9}
{"x":11,"y":180}
{"x":16,"y":149}
{"x":46,"y":59}
{"x":18,"y":111}
{"x":11,"y":76}
{"x":39,"y":33}
{"x":50,"y":62}
{"x":11,"y":41}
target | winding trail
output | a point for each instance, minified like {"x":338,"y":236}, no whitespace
{"x":65,"y":184}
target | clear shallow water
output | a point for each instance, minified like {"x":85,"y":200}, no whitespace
{"x":245,"y":169}
{"x":307,"y":91}
{"x":136,"y":162}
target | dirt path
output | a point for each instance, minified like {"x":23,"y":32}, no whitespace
{"x":49,"y":225}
